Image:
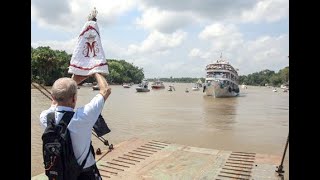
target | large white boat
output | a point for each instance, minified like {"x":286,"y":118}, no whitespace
{"x":221,"y":80}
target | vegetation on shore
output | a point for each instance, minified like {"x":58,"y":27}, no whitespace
{"x":266,"y":77}
{"x":47,"y":65}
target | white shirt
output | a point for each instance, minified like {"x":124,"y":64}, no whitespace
{"x":80,"y":126}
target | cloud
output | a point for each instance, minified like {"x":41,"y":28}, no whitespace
{"x":217,"y":9}
{"x":172,"y":43}
{"x":70,"y":15}
{"x":223,"y":37}
{"x":158,"y":42}
{"x":163,"y":21}
{"x":197,"y":53}
{"x":267,"y":10}
{"x":264,"y":52}
{"x":67,"y":46}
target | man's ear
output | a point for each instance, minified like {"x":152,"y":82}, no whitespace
{"x":74,"y":99}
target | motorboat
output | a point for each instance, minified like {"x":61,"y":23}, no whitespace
{"x":171,"y":88}
{"x":126,"y":85}
{"x":157,"y":85}
{"x":196,"y":87}
{"x":143,"y":86}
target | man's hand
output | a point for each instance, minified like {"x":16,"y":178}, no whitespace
{"x":106,"y":92}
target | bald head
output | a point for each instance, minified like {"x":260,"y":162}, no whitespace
{"x":64,"y":89}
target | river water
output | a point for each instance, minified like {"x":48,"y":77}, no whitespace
{"x":256,"y":121}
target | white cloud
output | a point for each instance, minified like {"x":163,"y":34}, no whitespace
{"x":170,"y":46}
{"x":217,"y":30}
{"x":267,"y":10}
{"x":264,"y":52}
{"x":71,"y":15}
{"x":197,"y":53}
{"x":67,"y":46}
{"x":165,"y":12}
{"x":163,"y":21}
{"x":223,"y":37}
{"x":158,"y":42}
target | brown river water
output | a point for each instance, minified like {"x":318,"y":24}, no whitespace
{"x":256,"y":121}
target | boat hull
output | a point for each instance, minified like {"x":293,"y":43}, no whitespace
{"x":217,"y":90}
{"x":142,"y":89}
{"x":157,"y":87}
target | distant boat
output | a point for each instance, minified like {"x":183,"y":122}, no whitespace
{"x":171,"y":88}
{"x":87,"y":84}
{"x":221,"y":80}
{"x":157,"y":85}
{"x":126,"y":85}
{"x":143,"y":86}
{"x":196,"y":87}
{"x":274,"y":90}
{"x":96,"y":87}
{"x":199,"y":83}
{"x":186,"y":90}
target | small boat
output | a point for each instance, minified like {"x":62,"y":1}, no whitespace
{"x":187,"y":90}
{"x":126,"y":85}
{"x":171,"y":88}
{"x":96,"y":87}
{"x":274,"y":90}
{"x":243,"y":86}
{"x":199,"y":83}
{"x":196,"y":87}
{"x":157,"y":85}
{"x":87,"y":84}
{"x":143,"y":86}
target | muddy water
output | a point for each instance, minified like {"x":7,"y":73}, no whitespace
{"x":256,"y":121}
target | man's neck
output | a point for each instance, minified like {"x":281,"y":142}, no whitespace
{"x":66,"y":105}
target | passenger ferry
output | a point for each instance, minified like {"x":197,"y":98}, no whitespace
{"x":221,"y":79}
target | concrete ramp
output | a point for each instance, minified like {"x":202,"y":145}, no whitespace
{"x":138,"y":159}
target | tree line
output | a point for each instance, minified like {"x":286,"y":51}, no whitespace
{"x":48,"y":65}
{"x":266,"y":77}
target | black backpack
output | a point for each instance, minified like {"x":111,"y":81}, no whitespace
{"x":58,"y":156}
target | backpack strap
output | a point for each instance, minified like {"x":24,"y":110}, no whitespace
{"x":66,"y":118}
{"x":85,"y":160}
{"x":50,"y":119}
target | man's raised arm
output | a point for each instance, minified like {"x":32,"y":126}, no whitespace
{"x":105,"y":90}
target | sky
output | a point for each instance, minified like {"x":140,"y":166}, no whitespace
{"x":172,"y":38}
